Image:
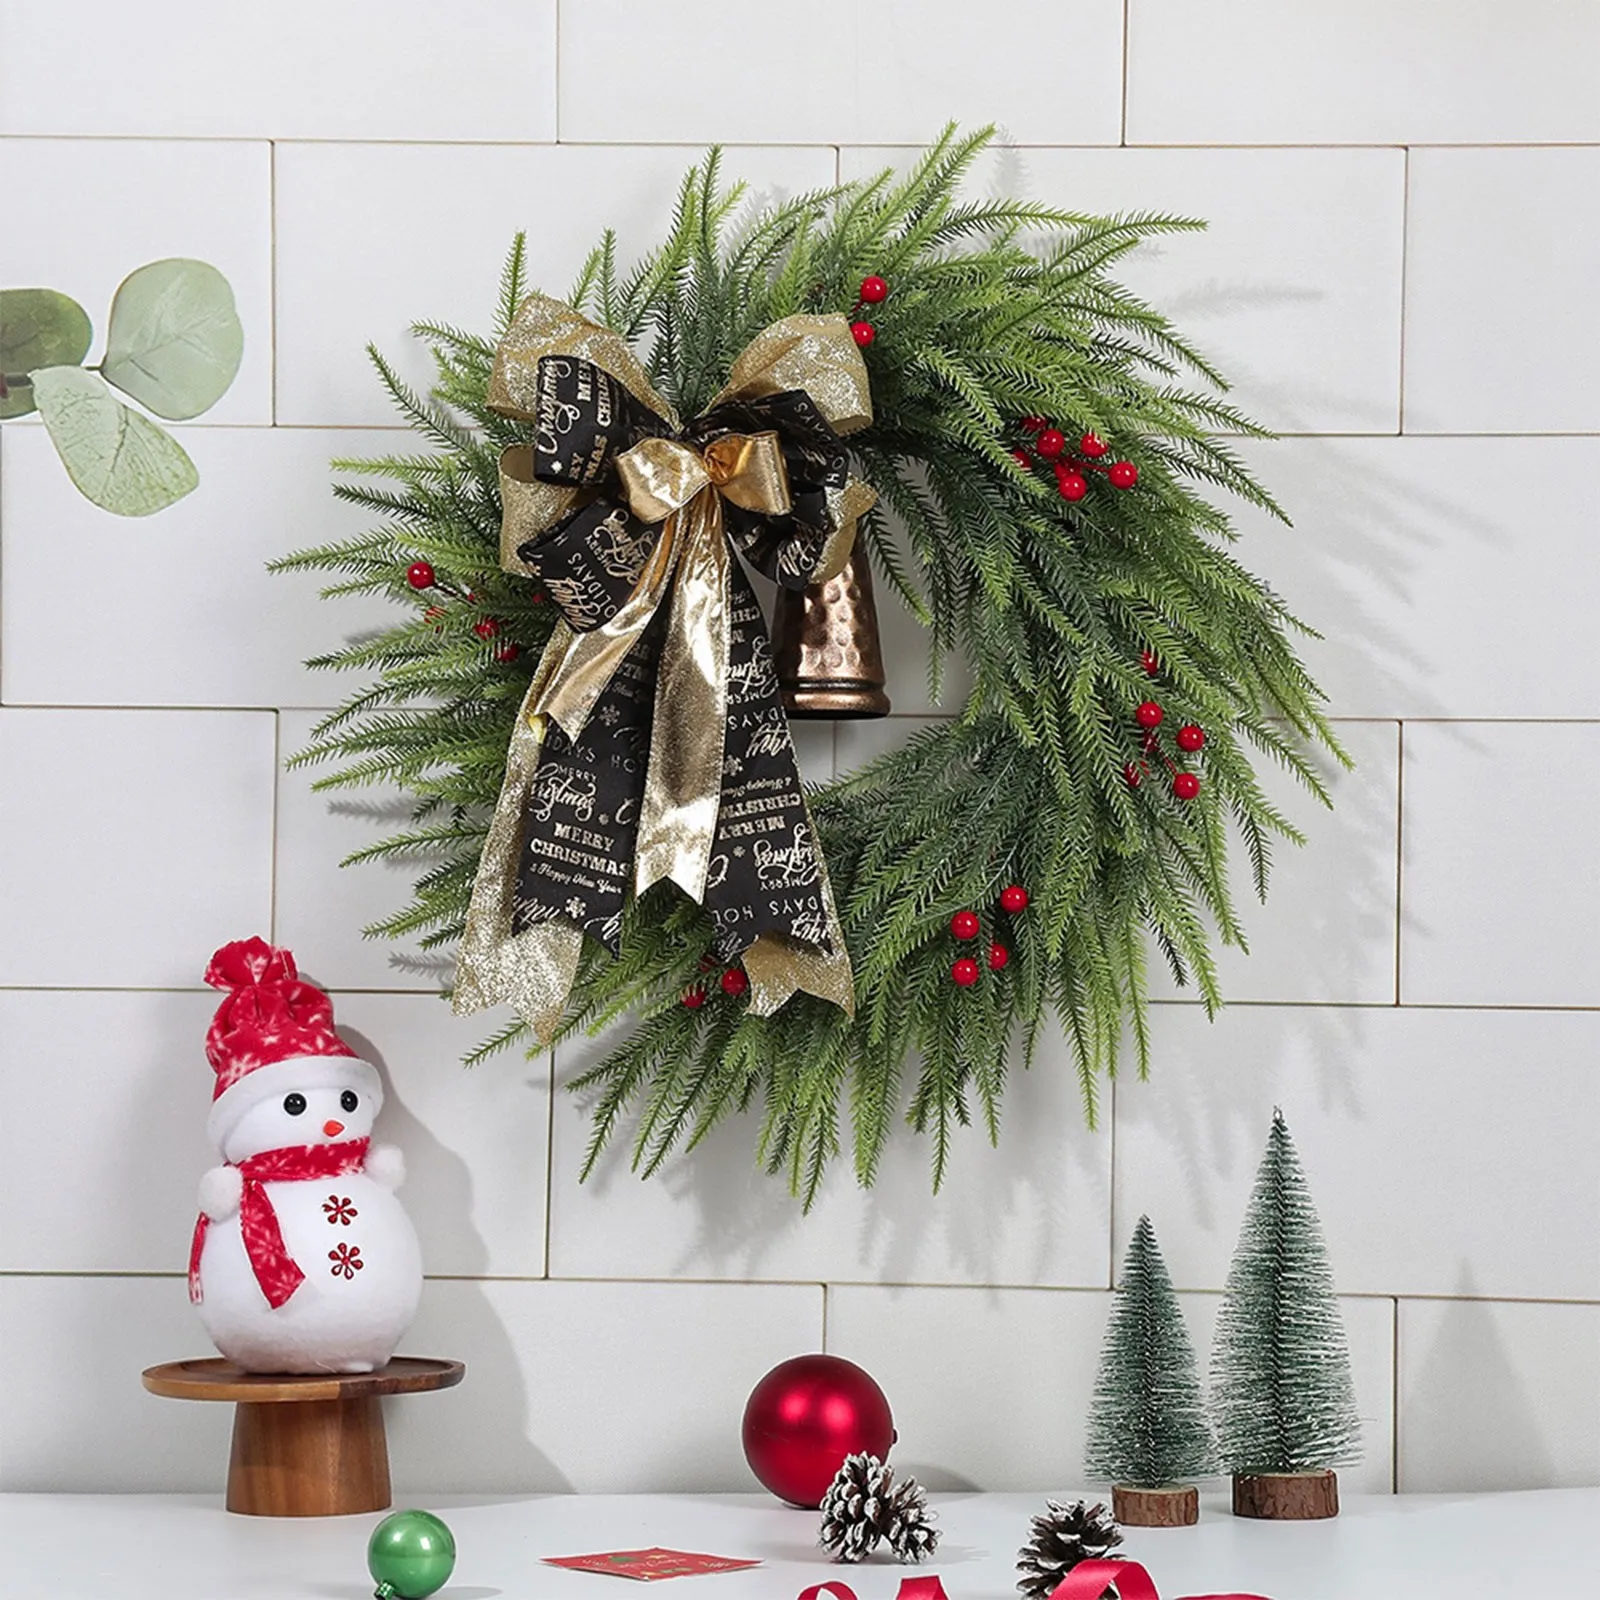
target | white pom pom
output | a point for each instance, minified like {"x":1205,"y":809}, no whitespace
{"x":220,"y":1190}
{"x":386,"y":1165}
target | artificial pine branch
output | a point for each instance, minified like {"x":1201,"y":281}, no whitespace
{"x":1051,"y":604}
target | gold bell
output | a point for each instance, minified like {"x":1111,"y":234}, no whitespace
{"x":825,"y":647}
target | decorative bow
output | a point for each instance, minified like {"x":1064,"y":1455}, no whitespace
{"x":652,"y":742}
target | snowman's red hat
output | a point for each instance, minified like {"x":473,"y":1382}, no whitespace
{"x":270,"y":1026}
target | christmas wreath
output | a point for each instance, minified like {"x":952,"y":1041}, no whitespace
{"x":580,"y":695}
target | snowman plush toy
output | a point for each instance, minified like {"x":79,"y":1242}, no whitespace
{"x":303,"y":1259}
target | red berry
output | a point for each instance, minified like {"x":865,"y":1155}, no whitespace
{"x":507,"y":653}
{"x":1132,"y":775}
{"x":1093,"y":446}
{"x":696,"y":997}
{"x":419,"y":575}
{"x":487,"y":628}
{"x":1123,"y":474}
{"x":734,"y":982}
{"x":1070,"y":484}
{"x":1022,"y":459}
{"x":998,"y":956}
{"x":1050,"y":443}
{"x":863,"y":333}
{"x":1191,"y":737}
{"x":964,"y":973}
{"x":536,"y":598}
{"x":1032,"y":424}
{"x":1186,"y":786}
{"x":1014,"y":898}
{"x":1149,"y":714}
{"x":1147,"y":660}
{"x":964,"y":925}
{"x":874,"y":290}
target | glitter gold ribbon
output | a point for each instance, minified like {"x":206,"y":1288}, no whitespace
{"x":627,"y":519}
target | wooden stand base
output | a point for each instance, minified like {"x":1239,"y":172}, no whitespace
{"x":305,"y":1446}
{"x":1286,"y":1496}
{"x":1177,"y":1507}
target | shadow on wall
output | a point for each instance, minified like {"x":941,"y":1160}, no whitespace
{"x":457,"y":1320}
{"x":1470,"y":1397}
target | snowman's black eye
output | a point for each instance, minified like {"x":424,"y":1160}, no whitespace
{"x":349,"y":1100}
{"x":294,"y":1104}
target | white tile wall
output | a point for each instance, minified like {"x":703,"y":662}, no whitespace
{"x":1360,"y":72}
{"x":1418,"y":316}
{"x":82,"y":214}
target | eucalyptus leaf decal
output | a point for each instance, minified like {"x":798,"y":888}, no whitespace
{"x":174,"y":339}
{"x":119,"y":459}
{"x":38,"y":328}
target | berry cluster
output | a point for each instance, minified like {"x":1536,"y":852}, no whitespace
{"x":873,"y":292}
{"x":733,"y":983}
{"x":1050,"y":445}
{"x":421,"y":576}
{"x":965,"y":925}
{"x":1190,"y":739}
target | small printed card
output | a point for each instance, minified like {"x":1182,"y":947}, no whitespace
{"x":648,"y":1565}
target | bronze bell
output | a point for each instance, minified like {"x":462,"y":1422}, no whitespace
{"x":825,"y":647}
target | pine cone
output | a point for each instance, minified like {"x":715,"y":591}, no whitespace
{"x":1062,"y":1537}
{"x":857,"y":1511}
{"x":912,"y":1535}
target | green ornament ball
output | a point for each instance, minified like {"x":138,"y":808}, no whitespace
{"x":410,"y":1555}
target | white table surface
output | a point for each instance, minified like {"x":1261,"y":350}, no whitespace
{"x":1539,"y":1545}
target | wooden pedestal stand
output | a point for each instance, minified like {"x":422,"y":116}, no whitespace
{"x":1176,"y":1507}
{"x":1286,"y":1496}
{"x":304,"y":1446}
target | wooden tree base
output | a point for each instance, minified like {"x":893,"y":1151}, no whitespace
{"x":305,"y":1446}
{"x":1286,"y":1496}
{"x":1156,"y":1508}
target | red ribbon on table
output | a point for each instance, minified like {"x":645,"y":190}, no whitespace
{"x":1087,"y":1581}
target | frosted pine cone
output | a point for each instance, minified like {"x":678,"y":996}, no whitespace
{"x":912,"y":1535}
{"x":1062,"y":1537}
{"x":856,"y":1510}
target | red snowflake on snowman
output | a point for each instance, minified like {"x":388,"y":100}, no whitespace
{"x":346,"y":1259}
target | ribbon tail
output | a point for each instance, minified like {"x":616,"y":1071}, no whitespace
{"x":778,"y":967}
{"x":196,"y":1247}
{"x":534,"y":969}
{"x":683,"y":786}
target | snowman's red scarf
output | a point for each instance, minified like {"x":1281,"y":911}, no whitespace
{"x":274,"y":1267}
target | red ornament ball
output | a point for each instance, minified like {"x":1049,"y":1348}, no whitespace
{"x":487,"y":628}
{"x":734,"y":982}
{"x":1149,"y":661}
{"x":696,"y":997}
{"x":1149,"y":714}
{"x":420,"y":575}
{"x":1123,"y":474}
{"x":1014,"y":898}
{"x":863,"y":333}
{"x":507,"y":653}
{"x":1050,"y":443}
{"x":1093,"y":446}
{"x":1191,"y":737}
{"x":964,"y":925}
{"x":1031,"y":424}
{"x":1132,"y":775}
{"x":805,"y":1417}
{"x":998,"y":956}
{"x":1022,"y":459}
{"x":1186,"y":786}
{"x":1071,"y":485}
{"x":874,"y":290}
{"x":964,"y":973}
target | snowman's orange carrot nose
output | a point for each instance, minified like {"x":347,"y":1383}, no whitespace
{"x":332,"y":1128}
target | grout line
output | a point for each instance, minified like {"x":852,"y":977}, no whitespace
{"x":1111,"y":1192}
{"x":1399,"y":852}
{"x":1394,"y":1401}
{"x":272,"y":279}
{"x":826,"y":1299}
{"x":277,"y":802}
{"x":557,"y":107}
{"x":1122,"y":140}
{"x":549,"y":1158}
{"x":1405,"y":257}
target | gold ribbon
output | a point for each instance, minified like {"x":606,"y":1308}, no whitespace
{"x":669,"y":482}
